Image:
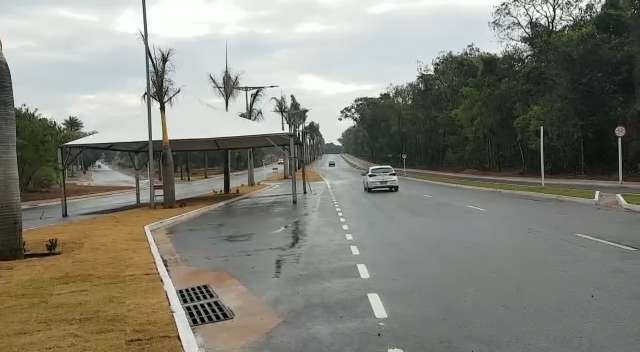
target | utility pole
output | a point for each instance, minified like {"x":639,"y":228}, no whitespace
{"x":150,"y":169}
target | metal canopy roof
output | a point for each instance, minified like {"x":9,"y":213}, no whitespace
{"x":226,"y":133}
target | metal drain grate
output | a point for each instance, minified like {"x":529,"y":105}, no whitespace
{"x":203,"y":306}
{"x":196,"y":294}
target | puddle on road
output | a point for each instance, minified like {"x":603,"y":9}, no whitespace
{"x":239,"y":237}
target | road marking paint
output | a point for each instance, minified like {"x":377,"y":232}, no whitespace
{"x":606,"y":242}
{"x":428,"y":196}
{"x":345,"y":227}
{"x":376,"y":304}
{"x":476,"y":208}
{"x":343,"y":219}
{"x":362,"y":269}
{"x":339,"y":214}
{"x":354,"y":250}
{"x":348,"y":237}
{"x":338,"y":209}
{"x":395,"y":349}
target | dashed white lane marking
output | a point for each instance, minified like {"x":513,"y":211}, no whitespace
{"x":345,"y":227}
{"x":606,"y":242}
{"x":338,"y":209}
{"x":362,"y":269}
{"x":339,"y":214}
{"x":376,"y":304}
{"x":349,"y":237}
{"x":428,"y":196}
{"x":354,"y":250}
{"x":476,"y":208}
{"x":343,"y":219}
{"x":395,"y":349}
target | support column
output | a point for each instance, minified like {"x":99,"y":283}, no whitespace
{"x":63,"y":181}
{"x":189,"y":166}
{"x":285,"y":165}
{"x":138,"y":188}
{"x":206,"y":164}
{"x":250,"y":176}
{"x":227,"y":173}
{"x":292,"y":162}
{"x":304,"y":162}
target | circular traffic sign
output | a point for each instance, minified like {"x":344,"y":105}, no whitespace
{"x":620,"y":131}
{"x":404,"y":155}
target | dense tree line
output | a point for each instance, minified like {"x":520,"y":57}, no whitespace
{"x":37,"y":142}
{"x":572,"y":66}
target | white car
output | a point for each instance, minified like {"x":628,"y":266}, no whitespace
{"x":380,"y":177}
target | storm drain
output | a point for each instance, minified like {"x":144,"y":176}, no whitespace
{"x":203,"y":306}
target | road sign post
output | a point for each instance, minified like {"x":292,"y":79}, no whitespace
{"x":620,"y":131}
{"x":404,"y":164}
{"x":542,"y":154}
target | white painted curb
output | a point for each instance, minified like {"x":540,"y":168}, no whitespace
{"x":596,"y":198}
{"x":187,"y":337}
{"x":623,"y":203}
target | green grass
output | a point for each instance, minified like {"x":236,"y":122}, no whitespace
{"x":578,"y":193}
{"x":632,"y":198}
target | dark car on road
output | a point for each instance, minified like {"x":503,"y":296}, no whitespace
{"x":332,"y":163}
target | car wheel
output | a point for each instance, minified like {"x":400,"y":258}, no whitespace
{"x":396,"y":189}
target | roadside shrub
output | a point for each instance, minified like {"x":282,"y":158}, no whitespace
{"x":52,"y":245}
{"x":45,"y":178}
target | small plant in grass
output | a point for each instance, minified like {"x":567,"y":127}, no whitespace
{"x":52,"y":245}
{"x":24,"y":247}
{"x":237,"y":190}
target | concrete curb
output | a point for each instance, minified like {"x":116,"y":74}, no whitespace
{"x":53,"y":201}
{"x":623,"y":203}
{"x":507,"y":191}
{"x":187,"y":337}
{"x":596,"y":197}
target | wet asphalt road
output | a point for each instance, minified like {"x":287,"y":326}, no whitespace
{"x":77,"y":208}
{"x":454,"y":269}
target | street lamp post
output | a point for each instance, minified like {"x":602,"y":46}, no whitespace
{"x":150,"y":169}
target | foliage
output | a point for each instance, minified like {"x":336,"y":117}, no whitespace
{"x":38,"y":139}
{"x":51,"y":245}
{"x":253,"y":113}
{"x":577,"y":73}
{"x":227,"y":86}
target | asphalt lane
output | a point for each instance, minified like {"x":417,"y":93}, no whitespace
{"x":429,"y":268}
{"x":78,"y":208}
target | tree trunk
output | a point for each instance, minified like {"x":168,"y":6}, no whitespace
{"x":168,"y":178}
{"x":250,"y":175}
{"x":10,"y":212}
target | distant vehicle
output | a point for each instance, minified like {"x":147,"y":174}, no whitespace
{"x":280,"y":161}
{"x":380,"y":177}
{"x":332,"y":163}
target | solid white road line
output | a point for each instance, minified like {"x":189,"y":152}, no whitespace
{"x":345,"y":227}
{"x":376,"y":305}
{"x":362,"y":269}
{"x":428,"y":196}
{"x":606,"y":242}
{"x":349,"y":237}
{"x":343,"y":219}
{"x":354,"y":250}
{"x":476,"y":208}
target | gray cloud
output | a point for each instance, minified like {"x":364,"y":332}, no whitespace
{"x":85,"y":58}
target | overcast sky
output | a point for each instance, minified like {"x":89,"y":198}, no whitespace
{"x":84,"y":57}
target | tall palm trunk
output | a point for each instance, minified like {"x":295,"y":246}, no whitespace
{"x":10,"y":212}
{"x":168,"y":177}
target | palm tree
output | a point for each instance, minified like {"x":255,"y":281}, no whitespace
{"x":227,"y":86}
{"x":281,"y":108}
{"x":163,"y":92}
{"x":10,"y":212}
{"x":253,"y":113}
{"x":73,"y":124}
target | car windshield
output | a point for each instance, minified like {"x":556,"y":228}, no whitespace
{"x":382,"y":170}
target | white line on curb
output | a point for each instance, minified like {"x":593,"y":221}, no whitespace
{"x":349,"y":237}
{"x":476,"y":208}
{"x":606,"y":242}
{"x":362,"y":269}
{"x":354,"y":250}
{"x":376,"y":304}
{"x":345,"y":227}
